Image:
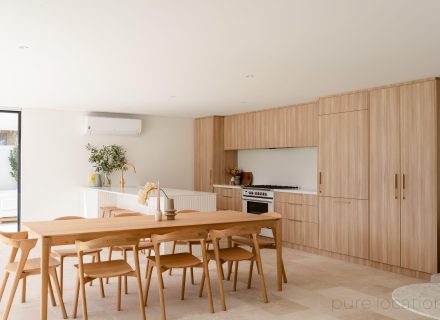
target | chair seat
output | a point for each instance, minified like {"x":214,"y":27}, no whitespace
{"x":106,"y":269}
{"x":177,"y":260}
{"x":32,"y":265}
{"x":142,"y":246}
{"x":263,"y":242}
{"x":62,"y":253}
{"x":192,"y":242}
{"x":231,"y":254}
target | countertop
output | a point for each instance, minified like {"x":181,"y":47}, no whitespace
{"x":133,"y":191}
{"x":298,"y":191}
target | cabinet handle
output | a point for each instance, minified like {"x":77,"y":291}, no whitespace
{"x":294,"y":204}
{"x":210,"y":176}
{"x":227,"y":196}
{"x":320,"y":181}
{"x":396,"y":186}
{"x":341,"y":201}
{"x":403,"y":186}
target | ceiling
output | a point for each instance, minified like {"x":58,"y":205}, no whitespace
{"x":195,"y":58}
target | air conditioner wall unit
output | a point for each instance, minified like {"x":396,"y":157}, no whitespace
{"x":112,"y":125}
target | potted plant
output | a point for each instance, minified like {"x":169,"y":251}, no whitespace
{"x":106,"y":160}
{"x":236,"y":174}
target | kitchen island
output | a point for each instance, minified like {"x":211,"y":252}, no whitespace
{"x":94,"y":198}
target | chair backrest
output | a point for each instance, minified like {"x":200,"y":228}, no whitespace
{"x":187,"y":211}
{"x":234,"y":231}
{"x":104,"y":242}
{"x":127,"y":214}
{"x":68,"y":218}
{"x":18,"y":241}
{"x":195,"y":234}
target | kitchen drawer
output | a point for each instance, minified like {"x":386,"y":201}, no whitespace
{"x":228,"y":192}
{"x":297,"y":212}
{"x":296,"y":198}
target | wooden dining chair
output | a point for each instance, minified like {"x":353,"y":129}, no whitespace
{"x":71,"y":253}
{"x":184,"y":260}
{"x":264,"y":243}
{"x":106,"y":269}
{"x":144,"y":244}
{"x":235,"y":254}
{"x":24,"y":267}
{"x":189,"y":243}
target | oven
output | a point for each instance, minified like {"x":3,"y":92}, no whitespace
{"x":258,"y":202}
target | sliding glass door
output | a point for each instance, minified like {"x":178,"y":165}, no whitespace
{"x":10,"y":132}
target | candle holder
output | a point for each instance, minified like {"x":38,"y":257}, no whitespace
{"x":170,"y":212}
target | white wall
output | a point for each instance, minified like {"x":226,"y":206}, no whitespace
{"x":55,"y":161}
{"x":290,"y":166}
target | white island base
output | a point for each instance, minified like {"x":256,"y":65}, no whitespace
{"x":94,"y":198}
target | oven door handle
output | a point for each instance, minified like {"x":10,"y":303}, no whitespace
{"x":258,"y":200}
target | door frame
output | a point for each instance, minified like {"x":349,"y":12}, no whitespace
{"x":19,"y":165}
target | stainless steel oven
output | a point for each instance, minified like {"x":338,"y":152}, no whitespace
{"x":258,"y":201}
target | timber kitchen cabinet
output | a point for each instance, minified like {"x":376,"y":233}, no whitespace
{"x":228,"y":198}
{"x":403,"y":179}
{"x":211,"y":161}
{"x":343,"y":155}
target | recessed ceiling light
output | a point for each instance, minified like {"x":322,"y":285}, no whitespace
{"x":243,"y":102}
{"x":173,"y":97}
{"x":249,"y":76}
{"x":23,"y":47}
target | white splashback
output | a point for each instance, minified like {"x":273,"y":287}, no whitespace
{"x":289,"y":166}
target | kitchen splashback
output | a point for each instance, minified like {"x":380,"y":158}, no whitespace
{"x":289,"y":166}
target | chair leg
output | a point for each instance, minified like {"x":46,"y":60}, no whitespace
{"x":147,"y":284}
{"x":284,"y":271}
{"x":23,"y":290}
{"x":172,"y":252}
{"x":119,"y":293}
{"x":75,"y":306}
{"x":109,"y":259}
{"x":101,"y":282}
{"x":93,"y":261}
{"x":52,"y":296}
{"x":83,"y":297}
{"x":191,"y":269}
{"x":139,"y":287}
{"x":125,"y":277}
{"x":5,"y":280}
{"x":208,"y":284}
{"x":53,"y":273}
{"x":162,"y":299}
{"x":182,"y":291}
{"x":261,"y":278}
{"x":235,"y":275}
{"x":202,"y":283}
{"x":220,"y":283}
{"x":11,"y":297}
{"x":251,"y":269}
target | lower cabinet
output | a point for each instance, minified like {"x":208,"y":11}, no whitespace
{"x":343,"y":226}
{"x":228,"y":199}
{"x":300,"y":218}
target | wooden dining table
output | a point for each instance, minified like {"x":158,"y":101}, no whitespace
{"x":66,"y":232}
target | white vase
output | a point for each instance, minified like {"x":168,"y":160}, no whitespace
{"x":158,"y":215}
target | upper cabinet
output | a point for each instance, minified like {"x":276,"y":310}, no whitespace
{"x":210,"y":159}
{"x":343,"y":103}
{"x":295,"y":126}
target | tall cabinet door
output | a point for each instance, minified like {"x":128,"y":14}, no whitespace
{"x":343,"y":155}
{"x":203,"y":162}
{"x":419,"y":176}
{"x":385,"y":176}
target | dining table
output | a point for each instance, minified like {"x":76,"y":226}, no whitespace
{"x":66,"y":232}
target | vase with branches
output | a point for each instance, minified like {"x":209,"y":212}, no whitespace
{"x":107,"y":159}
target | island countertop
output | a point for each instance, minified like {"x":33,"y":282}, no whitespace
{"x":133,"y":191}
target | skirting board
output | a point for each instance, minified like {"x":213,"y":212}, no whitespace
{"x":369,"y":263}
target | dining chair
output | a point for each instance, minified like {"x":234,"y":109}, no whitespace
{"x":144,"y":244}
{"x":24,"y":267}
{"x":183,"y":260}
{"x":106,"y":269}
{"x":71,"y":252}
{"x":264,"y":243}
{"x":106,"y":212}
{"x":235,"y":254}
{"x":189,"y":243}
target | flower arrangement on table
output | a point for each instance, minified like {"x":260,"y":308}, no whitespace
{"x":144,"y":195}
{"x":235,"y":174}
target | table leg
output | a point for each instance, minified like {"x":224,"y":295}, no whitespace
{"x":45,"y":251}
{"x":278,"y":243}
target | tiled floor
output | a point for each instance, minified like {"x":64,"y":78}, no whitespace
{"x":319,"y":288}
